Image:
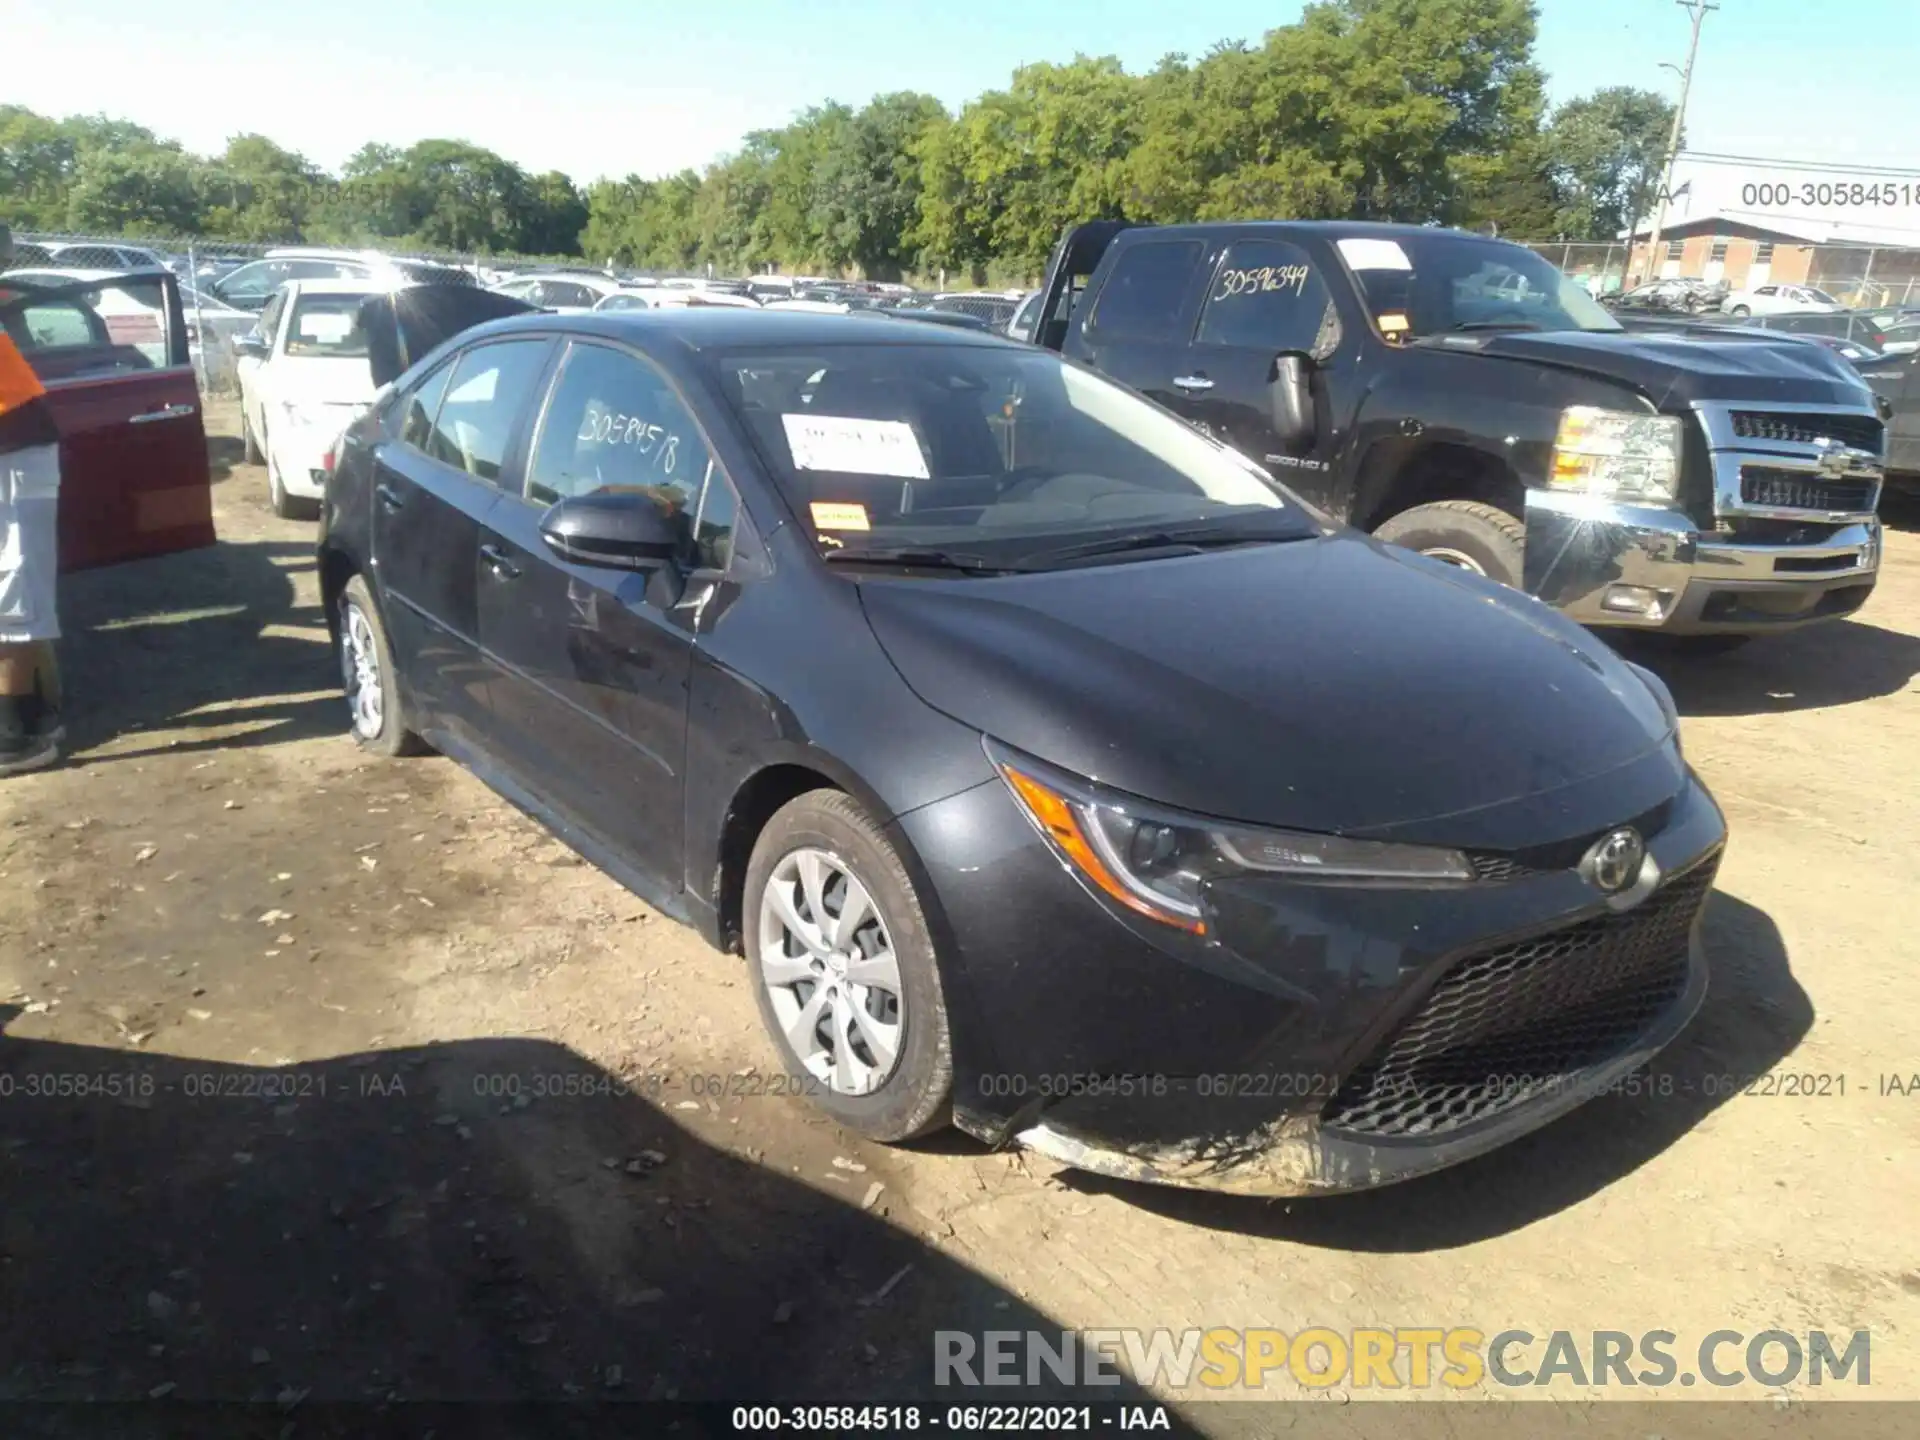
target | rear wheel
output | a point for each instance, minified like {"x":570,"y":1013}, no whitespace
{"x":844,"y":969}
{"x":377,"y":712}
{"x":1472,"y":535}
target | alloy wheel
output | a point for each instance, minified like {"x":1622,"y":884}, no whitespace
{"x":360,"y":670}
{"x":827,"y":960}
{"x":1447,"y":555}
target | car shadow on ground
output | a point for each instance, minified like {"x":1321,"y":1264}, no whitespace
{"x":212,"y":638}
{"x":493,"y":1220}
{"x":1811,"y":669}
{"x":1755,"y":1015}
{"x":223,"y":453}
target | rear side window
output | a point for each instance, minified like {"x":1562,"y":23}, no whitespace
{"x":421,"y":406}
{"x":1267,"y":295}
{"x":1142,"y":296}
{"x":488,"y":389}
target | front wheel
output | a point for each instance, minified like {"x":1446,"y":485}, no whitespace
{"x":844,"y":969}
{"x":1741,"y":312}
{"x":1466,"y":533}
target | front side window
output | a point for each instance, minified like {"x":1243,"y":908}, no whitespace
{"x":486,"y":393}
{"x":327,"y":326}
{"x":987,"y":451}
{"x":1268,"y":296}
{"x":1143,"y":294}
{"x":613,"y":423}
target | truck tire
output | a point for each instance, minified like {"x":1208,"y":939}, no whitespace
{"x":1474,"y":536}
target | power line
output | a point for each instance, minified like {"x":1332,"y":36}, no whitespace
{"x":1708,"y":157}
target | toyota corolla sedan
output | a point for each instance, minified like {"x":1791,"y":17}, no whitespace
{"x":1056,"y":772}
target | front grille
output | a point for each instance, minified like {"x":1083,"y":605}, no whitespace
{"x":1797,"y":490}
{"x":1488,"y":866}
{"x":1862,"y":431}
{"x":1518,"y":1022}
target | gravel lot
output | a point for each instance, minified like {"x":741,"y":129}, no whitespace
{"x":311,"y":986}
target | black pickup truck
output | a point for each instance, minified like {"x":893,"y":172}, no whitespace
{"x":1460,"y":396}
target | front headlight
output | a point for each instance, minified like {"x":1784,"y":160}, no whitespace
{"x":1617,"y":454}
{"x":1156,"y":861}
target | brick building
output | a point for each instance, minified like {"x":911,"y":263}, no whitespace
{"x":1869,"y":261}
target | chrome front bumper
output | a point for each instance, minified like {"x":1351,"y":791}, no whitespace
{"x":1604,"y":562}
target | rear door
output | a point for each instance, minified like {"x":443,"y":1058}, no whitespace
{"x":435,"y":478}
{"x":1142,"y":310}
{"x":1264,"y":298}
{"x":588,"y":665}
{"x":112,"y":355}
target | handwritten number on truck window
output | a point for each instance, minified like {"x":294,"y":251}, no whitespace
{"x":1263,"y":280}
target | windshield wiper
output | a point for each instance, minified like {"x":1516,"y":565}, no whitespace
{"x":906,"y":555}
{"x":1491,"y":325}
{"x":1171,"y":542}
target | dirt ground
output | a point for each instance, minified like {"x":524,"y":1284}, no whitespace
{"x":387,"y":1095}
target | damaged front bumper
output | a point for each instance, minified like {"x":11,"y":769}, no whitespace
{"x":1605,"y":563}
{"x":1297,"y":1155}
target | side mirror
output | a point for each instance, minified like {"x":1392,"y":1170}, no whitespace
{"x":251,"y":345}
{"x":1290,"y":399}
{"x":634,"y":530}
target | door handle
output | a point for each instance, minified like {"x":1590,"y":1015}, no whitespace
{"x":1192,"y":383}
{"x":390,"y":497}
{"x":165,"y":412}
{"x":497,"y":561}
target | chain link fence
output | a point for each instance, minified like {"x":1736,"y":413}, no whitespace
{"x":1861,"y":277}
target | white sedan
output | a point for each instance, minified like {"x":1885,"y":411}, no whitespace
{"x":1780,"y":300}
{"x":303,"y":379}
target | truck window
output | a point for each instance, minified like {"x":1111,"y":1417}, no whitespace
{"x":1269,"y":296}
{"x":1142,"y":296}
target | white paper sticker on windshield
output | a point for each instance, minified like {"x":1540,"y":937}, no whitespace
{"x":849,"y":446}
{"x":1364,"y":254}
{"x":325,"y":325}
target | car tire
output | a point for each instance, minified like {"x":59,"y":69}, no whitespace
{"x":914,"y":1095}
{"x":249,"y":447}
{"x":1741,"y":312}
{"x":365,"y":655}
{"x":1467,"y":533}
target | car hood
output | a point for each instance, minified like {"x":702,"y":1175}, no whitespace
{"x":1676,"y":367}
{"x":1334,"y":684}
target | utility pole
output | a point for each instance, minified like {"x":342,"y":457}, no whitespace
{"x":1698,"y":10}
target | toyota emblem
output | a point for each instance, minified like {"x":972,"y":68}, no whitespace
{"x":1614,"y":861}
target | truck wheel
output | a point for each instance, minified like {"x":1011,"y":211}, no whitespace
{"x":1478,"y":537}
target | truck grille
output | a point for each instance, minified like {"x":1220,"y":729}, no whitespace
{"x":1519,"y":1022}
{"x":1860,"y":431}
{"x":1797,"y":490}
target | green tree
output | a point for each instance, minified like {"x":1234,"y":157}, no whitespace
{"x":555,"y":215}
{"x":141,"y":190}
{"x":1606,"y":151}
{"x":37,"y":158}
{"x":257,"y":190}
{"x":867,"y":184}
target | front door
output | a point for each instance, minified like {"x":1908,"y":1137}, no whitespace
{"x":588,"y":665}
{"x":1265,"y":298}
{"x":433,"y":486}
{"x":1136,"y":332}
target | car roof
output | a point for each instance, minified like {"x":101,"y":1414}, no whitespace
{"x":724,"y":327}
{"x":68,"y":272}
{"x":371,"y":286}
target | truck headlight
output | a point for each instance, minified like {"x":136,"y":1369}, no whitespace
{"x":1617,"y":454}
{"x":1156,"y":861}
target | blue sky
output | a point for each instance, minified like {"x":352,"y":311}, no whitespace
{"x":597,"y":87}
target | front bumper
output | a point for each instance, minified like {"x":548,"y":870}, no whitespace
{"x":1264,"y":1060}
{"x":1604,"y":563}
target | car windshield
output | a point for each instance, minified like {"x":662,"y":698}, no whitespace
{"x":327,"y":325}
{"x":990,"y":452}
{"x":1420,"y":283}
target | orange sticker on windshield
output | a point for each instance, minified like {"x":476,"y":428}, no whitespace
{"x":828,"y":515}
